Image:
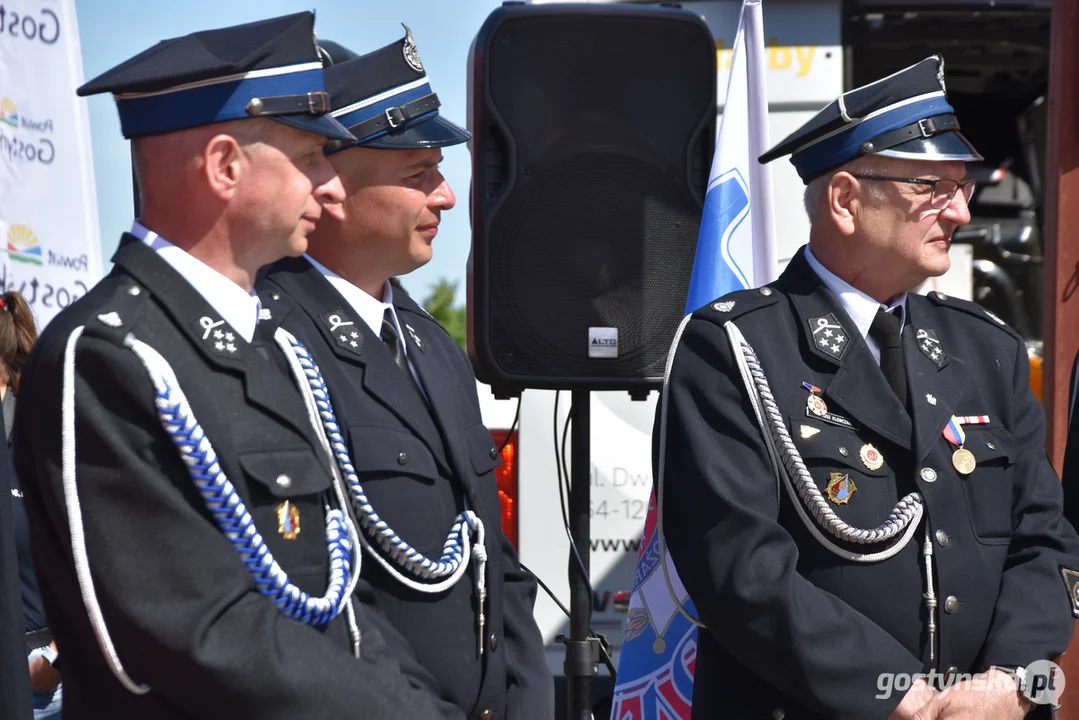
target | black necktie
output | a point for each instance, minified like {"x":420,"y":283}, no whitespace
{"x":392,"y":338}
{"x":885,"y":330}
{"x":396,"y":345}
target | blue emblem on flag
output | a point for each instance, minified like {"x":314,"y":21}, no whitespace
{"x":719,"y":268}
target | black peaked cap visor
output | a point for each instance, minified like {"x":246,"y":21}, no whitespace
{"x":325,"y":125}
{"x":944,"y":147}
{"x":431,"y":133}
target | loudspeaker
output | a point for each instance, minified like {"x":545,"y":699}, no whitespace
{"x":593,"y":133}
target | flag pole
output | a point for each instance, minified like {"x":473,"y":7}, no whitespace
{"x":765,"y":260}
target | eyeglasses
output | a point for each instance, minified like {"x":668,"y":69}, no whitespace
{"x":944,"y":189}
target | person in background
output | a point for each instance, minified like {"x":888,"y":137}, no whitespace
{"x":405,"y":395}
{"x":17,"y":335}
{"x":15,"y":694}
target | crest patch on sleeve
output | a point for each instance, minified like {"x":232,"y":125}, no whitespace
{"x":1071,"y":582}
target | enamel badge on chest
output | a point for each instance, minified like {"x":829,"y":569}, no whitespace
{"x":816,"y":407}
{"x":840,"y":488}
{"x":288,"y":520}
{"x":871,"y":457}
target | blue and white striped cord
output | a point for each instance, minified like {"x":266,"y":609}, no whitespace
{"x":221,"y":499}
{"x":458,"y":548}
{"x":229,"y":511}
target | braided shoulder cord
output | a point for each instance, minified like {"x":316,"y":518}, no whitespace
{"x":904,"y":517}
{"x":785,"y":461}
{"x":423,"y":574}
{"x":224,"y":503}
{"x":229,"y":510}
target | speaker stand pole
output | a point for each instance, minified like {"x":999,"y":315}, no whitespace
{"x":582,"y":654}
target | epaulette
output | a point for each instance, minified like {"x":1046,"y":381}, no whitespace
{"x":738,"y":303}
{"x":120,"y":314}
{"x":971,"y":308}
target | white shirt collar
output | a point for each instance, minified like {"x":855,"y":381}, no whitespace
{"x":370,"y":310}
{"x":860,"y":307}
{"x":236,"y":306}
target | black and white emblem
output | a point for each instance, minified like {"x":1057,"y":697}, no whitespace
{"x":724,"y":307}
{"x":1071,"y":582}
{"x":344,"y":330}
{"x":829,"y":336}
{"x":415,"y":337}
{"x":412,"y":54}
{"x":218,"y":337}
{"x":930,"y":347}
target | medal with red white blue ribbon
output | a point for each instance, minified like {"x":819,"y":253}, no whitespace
{"x":962,"y":459}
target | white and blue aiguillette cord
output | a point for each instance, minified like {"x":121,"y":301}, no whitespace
{"x":224,"y":503}
{"x":420,"y":573}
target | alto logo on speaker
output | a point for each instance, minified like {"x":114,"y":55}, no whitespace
{"x":602,"y":342}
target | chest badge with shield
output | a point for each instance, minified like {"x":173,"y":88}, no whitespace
{"x":840,"y":488}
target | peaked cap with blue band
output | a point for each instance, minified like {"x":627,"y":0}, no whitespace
{"x":385,"y":99}
{"x":905,"y":115}
{"x":271,"y":68}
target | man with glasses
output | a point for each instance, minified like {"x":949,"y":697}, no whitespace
{"x":859,"y":503}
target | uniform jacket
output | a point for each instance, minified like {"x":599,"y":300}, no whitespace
{"x":419,"y":467}
{"x":183,"y":612}
{"x":795,"y":630}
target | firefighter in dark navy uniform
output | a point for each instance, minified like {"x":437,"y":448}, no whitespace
{"x":194,"y":551}
{"x":856,"y":486}
{"x":419,"y":459}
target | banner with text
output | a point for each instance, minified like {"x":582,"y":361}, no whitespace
{"x":50,"y":245}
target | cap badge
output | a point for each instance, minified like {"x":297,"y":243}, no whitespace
{"x":412,"y":54}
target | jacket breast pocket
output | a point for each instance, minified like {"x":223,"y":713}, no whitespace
{"x":484,"y":456}
{"x":988,"y":489}
{"x":403,"y":485}
{"x":285,"y":489}
{"x":849,"y":472}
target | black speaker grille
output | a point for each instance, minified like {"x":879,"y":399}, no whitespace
{"x":610,"y":121}
{"x":616,"y":254}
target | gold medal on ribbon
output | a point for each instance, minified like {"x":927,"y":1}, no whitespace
{"x":964,"y":461}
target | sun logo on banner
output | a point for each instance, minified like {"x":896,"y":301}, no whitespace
{"x":9,"y":114}
{"x":23,"y":245}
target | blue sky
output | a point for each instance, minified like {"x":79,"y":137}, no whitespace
{"x":113,"y":30}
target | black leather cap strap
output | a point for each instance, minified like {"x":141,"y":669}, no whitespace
{"x":395,"y":117}
{"x":921,"y":129}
